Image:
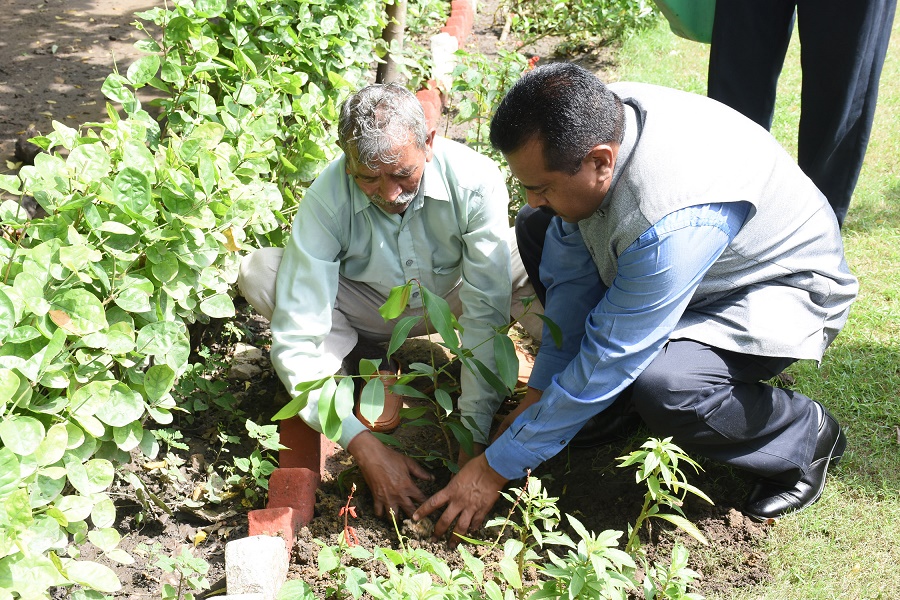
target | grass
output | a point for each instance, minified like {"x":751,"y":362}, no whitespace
{"x":848,"y":545}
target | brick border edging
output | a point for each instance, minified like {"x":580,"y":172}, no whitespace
{"x":459,"y":26}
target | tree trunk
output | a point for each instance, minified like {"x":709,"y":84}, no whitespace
{"x":393,"y":32}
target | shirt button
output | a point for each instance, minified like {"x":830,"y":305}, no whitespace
{"x":409,"y":262}
{"x":562,"y":442}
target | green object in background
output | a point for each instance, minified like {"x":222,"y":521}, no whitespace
{"x":691,"y":19}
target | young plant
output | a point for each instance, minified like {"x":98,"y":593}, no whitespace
{"x":658,"y":465}
{"x":190,"y":571}
{"x":539,"y":517}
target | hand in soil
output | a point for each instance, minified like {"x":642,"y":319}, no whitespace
{"x":389,"y":475}
{"x":469,"y":497}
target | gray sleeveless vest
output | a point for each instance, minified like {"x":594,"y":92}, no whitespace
{"x":783,"y":287}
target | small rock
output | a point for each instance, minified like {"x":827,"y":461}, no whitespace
{"x":256,"y":565}
{"x":735,"y":519}
{"x":420,"y":530}
{"x":243,"y":371}
{"x":245,"y":353}
{"x":198,"y":462}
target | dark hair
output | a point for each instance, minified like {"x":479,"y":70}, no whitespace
{"x":564,"y":106}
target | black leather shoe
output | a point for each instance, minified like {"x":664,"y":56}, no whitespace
{"x":770,"y":500}
{"x":618,"y":422}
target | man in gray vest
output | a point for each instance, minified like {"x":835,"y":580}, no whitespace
{"x":678,"y":280}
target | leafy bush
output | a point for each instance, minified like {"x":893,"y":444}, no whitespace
{"x":144,"y":228}
{"x":580,"y":22}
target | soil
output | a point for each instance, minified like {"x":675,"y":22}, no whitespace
{"x":56,"y":55}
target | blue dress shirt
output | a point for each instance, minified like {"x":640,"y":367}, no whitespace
{"x":610,"y":335}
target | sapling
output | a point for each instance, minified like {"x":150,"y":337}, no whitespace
{"x":657,"y":462}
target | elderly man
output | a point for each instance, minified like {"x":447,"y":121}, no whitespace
{"x":675,"y":278}
{"x":400,"y":204}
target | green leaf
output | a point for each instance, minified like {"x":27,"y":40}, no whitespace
{"x":206,"y":170}
{"x":371,"y":402}
{"x":93,"y":575}
{"x":685,"y":525}
{"x":96,"y":475}
{"x":7,"y":315}
{"x":463,"y":435}
{"x":143,"y":70}
{"x":105,"y":538}
{"x":444,"y":400}
{"x":53,"y":446}
{"x":78,"y":312}
{"x":131,"y":190}
{"x":9,"y":385}
{"x":158,"y":381}
{"x":133,"y":294}
{"x":396,"y":302}
{"x":328,"y":560}
{"x":30,"y":576}
{"x":124,"y":406}
{"x":555,"y":331}
{"x":10,"y":183}
{"x":89,"y":162}
{"x":167,"y":342}
{"x":331,"y":424}
{"x":75,"y":508}
{"x":295,"y":589}
{"x":9,"y":471}
{"x":103,"y":513}
{"x":401,"y":332}
{"x":293,"y":407}
{"x":219,"y":306}
{"x":510,"y":571}
{"x":441,"y":317}
{"x":114,"y":89}
{"x":21,"y":434}
{"x":507,"y":361}
{"x":491,"y":378}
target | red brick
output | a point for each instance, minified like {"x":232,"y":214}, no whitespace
{"x":455,"y":30}
{"x":307,"y":448}
{"x":431,"y":105}
{"x":284,"y":522}
{"x":294,"y":488}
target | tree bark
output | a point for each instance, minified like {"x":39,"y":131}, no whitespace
{"x":393,"y":32}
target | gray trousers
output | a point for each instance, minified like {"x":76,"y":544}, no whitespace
{"x":355,"y":313}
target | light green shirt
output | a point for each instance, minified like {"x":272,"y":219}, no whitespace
{"x":454,"y":231}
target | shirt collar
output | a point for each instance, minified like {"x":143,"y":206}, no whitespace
{"x":633,"y":124}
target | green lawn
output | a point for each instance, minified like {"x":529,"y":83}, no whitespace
{"x":848,"y":545}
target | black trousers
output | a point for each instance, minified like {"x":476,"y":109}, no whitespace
{"x":842,"y":47}
{"x":713,"y":402}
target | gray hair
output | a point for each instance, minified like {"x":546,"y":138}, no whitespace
{"x":377,"y":121}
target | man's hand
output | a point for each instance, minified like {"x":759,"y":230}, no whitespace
{"x":464,"y":457}
{"x":468,"y":497}
{"x":388,"y":474}
{"x":531,"y":396}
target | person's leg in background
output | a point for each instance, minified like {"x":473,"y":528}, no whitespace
{"x":842,"y":47}
{"x":749,"y":42}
